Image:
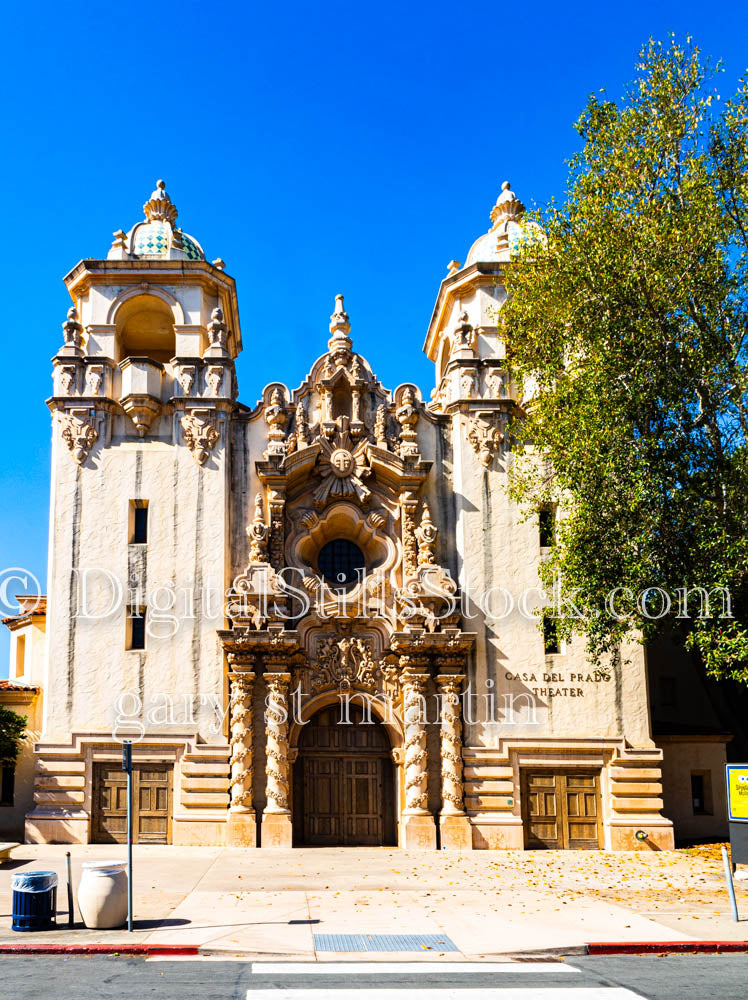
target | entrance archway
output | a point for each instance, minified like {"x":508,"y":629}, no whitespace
{"x":343,"y":782}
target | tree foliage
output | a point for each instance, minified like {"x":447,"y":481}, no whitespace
{"x":12,"y":727}
{"x":626,"y":321}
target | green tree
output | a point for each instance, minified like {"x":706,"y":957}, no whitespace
{"x":627,"y":320}
{"x":12,"y":727}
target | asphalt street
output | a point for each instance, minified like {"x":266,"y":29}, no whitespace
{"x":682,"y":977}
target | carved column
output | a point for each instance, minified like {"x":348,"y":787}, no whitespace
{"x":418,"y":827}
{"x":408,"y":506}
{"x":242,"y":824}
{"x":276,"y":818}
{"x":454,"y":824}
{"x":277,"y":505}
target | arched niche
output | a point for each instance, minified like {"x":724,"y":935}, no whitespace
{"x":144,"y":323}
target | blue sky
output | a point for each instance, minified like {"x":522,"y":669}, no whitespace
{"x":317,"y":148}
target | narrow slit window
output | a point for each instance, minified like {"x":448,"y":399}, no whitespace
{"x":547,"y":526}
{"x":701,"y":793}
{"x":138,"y":522}
{"x":135,"y":628}
{"x":550,"y":635}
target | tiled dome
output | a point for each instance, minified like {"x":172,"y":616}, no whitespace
{"x":158,"y":238}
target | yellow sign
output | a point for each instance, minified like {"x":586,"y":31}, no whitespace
{"x":737,"y":791}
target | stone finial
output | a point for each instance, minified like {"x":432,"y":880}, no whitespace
{"x":218,"y":335}
{"x":219,"y":263}
{"x":276,"y":418}
{"x":72,"y":333}
{"x":71,"y":328}
{"x":340,"y":344}
{"x":160,"y":205}
{"x":339,"y":319}
{"x":508,"y":207}
{"x":453,"y":267}
{"x":464,"y":336}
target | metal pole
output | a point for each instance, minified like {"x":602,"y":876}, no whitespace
{"x":730,"y":886}
{"x":71,"y":915}
{"x":129,"y":847}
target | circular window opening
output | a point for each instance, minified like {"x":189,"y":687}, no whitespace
{"x":338,"y":562}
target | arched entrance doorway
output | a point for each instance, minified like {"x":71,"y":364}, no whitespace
{"x":343,"y":782}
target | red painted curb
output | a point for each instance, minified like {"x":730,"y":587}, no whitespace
{"x":99,"y":949}
{"x":661,"y":947}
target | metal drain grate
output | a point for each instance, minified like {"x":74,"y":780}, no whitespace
{"x":383,"y":942}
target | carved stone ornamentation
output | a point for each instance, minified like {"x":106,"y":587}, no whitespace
{"x":67,"y":380}
{"x":495,"y":384}
{"x":485,"y":436}
{"x":276,"y":418}
{"x":218,"y":334}
{"x":344,"y":662}
{"x":340,"y":344}
{"x":79,"y":433}
{"x":407,"y":415}
{"x":94,"y":379}
{"x":186,"y":377}
{"x":240,"y":713}
{"x":258,"y":532}
{"x":201,"y":433}
{"x":467,"y":384}
{"x":214,"y":378}
{"x":276,"y":747}
{"x":302,"y":427}
{"x":343,"y":468}
{"x":464,"y":337}
{"x":72,"y":333}
{"x":408,"y":505}
{"x":450,"y":686}
{"x":414,"y":712}
{"x":380,"y":427}
{"x":277,"y":505}
{"x":426,"y":535}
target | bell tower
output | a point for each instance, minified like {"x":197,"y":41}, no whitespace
{"x":144,"y":389}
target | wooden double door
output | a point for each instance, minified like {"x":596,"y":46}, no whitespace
{"x":343,"y":783}
{"x":151,"y":797}
{"x":561,"y":809}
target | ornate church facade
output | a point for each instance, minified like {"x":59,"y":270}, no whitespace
{"x":299,"y":611}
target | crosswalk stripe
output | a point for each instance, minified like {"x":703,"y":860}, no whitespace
{"x":402,"y":968}
{"x":478,"y":993}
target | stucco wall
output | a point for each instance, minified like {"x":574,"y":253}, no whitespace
{"x":682,"y":758}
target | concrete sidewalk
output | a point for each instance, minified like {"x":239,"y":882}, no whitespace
{"x":271,"y":903}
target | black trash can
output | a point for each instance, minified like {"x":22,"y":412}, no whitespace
{"x":34,"y":901}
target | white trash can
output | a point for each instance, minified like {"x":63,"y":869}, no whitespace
{"x":102,"y":894}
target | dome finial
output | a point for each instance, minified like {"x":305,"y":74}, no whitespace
{"x":160,"y":205}
{"x":508,"y":207}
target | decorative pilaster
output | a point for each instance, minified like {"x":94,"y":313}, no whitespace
{"x":408,"y":506}
{"x":242,"y":824}
{"x":418,"y":827}
{"x":276,"y":819}
{"x":277,"y":505}
{"x":454,"y":824}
